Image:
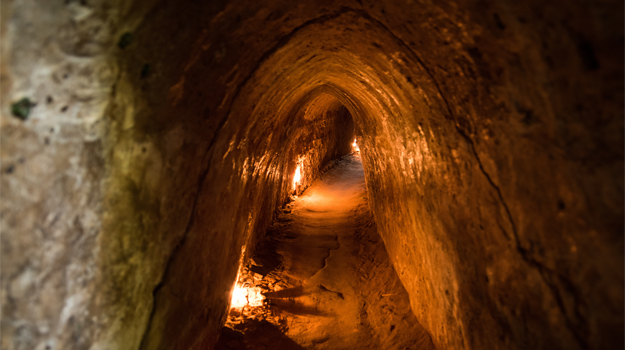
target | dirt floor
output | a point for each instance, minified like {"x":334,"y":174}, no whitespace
{"x":325,"y":276}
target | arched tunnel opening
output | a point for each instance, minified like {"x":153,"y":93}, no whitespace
{"x":150,"y":151}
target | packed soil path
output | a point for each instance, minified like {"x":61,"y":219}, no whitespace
{"x":326,"y":277}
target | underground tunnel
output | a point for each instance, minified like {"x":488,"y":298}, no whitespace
{"x":184,"y":174}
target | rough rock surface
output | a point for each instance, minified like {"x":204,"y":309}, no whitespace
{"x":163,"y":134}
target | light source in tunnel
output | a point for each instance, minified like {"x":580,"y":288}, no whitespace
{"x":355,"y":146}
{"x":243,"y":294}
{"x":297,"y":177}
{"x":239,"y":297}
{"x":246,"y":296}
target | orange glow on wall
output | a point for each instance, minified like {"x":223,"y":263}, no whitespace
{"x":355,"y":146}
{"x":297,"y":177}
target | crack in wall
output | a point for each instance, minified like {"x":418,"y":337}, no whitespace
{"x":175,"y":251}
{"x":542,"y":269}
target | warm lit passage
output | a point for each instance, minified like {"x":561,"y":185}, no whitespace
{"x":321,"y":278}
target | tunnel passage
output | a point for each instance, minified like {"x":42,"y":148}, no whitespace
{"x":144,"y":144}
{"x":306,"y":134}
{"x":321,"y":278}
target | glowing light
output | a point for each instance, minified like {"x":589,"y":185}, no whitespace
{"x":297,"y":177}
{"x":355,"y":146}
{"x":242,"y":297}
{"x":239,"y":297}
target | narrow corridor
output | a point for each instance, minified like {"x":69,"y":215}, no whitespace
{"x":325,"y":276}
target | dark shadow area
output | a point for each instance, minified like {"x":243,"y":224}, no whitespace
{"x":296,"y":308}
{"x":287,"y":293}
{"x":265,"y":258}
{"x":257,"y":335}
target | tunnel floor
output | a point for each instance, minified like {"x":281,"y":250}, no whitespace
{"x":325,"y":276}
